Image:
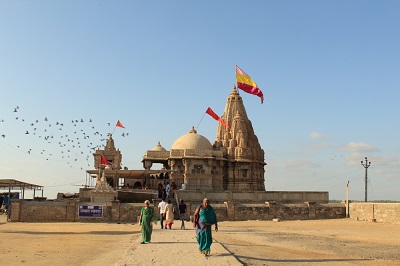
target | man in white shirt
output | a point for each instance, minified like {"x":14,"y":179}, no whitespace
{"x":161,"y":208}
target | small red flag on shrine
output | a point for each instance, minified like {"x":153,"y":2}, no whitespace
{"x":119,"y":124}
{"x":104,"y":161}
{"x":216,"y":117}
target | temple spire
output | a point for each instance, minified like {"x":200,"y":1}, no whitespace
{"x":242,"y":146}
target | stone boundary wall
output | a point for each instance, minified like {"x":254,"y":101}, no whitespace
{"x":67,"y":211}
{"x":255,"y":196}
{"x":376,"y":212}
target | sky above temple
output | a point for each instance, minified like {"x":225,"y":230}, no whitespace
{"x":329,"y":71}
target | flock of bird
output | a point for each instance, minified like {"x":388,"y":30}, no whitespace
{"x":73,"y":141}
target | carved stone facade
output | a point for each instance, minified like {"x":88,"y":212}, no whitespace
{"x":235,"y":162}
{"x":244,"y":168}
{"x":112,"y":155}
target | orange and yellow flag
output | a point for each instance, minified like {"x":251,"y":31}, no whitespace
{"x":245,"y":83}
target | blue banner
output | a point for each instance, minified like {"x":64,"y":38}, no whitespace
{"x":90,"y":211}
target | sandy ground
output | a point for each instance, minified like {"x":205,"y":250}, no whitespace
{"x":312,"y":242}
{"x":317,"y":242}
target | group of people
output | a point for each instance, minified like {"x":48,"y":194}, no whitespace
{"x":166,"y":190}
{"x":167,"y":211}
{"x":204,"y":218}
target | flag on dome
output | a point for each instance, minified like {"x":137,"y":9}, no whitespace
{"x":103,"y":161}
{"x":245,"y":83}
{"x":119,"y":124}
{"x":216,"y":117}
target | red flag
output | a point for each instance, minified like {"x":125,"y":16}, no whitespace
{"x":119,"y":124}
{"x":104,"y":161}
{"x":216,"y":117}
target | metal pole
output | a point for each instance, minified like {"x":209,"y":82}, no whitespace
{"x":347,"y":200}
{"x":366,"y":185}
{"x":9,"y":202}
{"x":366,"y":165}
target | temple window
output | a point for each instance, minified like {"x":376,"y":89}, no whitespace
{"x":198,"y":169}
{"x":244,"y":172}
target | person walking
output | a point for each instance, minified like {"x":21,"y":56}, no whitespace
{"x":147,"y":217}
{"x":169,"y":214}
{"x":182,"y":213}
{"x":204,"y":217}
{"x":161,"y":208}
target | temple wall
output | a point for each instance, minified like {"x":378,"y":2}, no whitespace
{"x":67,"y":211}
{"x":379,"y":212}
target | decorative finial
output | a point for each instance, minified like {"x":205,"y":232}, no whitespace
{"x":234,"y":90}
{"x":193,"y":130}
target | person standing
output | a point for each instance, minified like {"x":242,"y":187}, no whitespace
{"x":161,"y":208}
{"x":169,"y":214}
{"x":160,"y":190}
{"x":173,"y":188}
{"x":182,"y":213}
{"x":164,"y":195}
{"x":146,"y":220}
{"x":204,"y":217}
{"x":167,"y":189}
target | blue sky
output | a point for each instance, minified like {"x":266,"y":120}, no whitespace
{"x":329,"y":71}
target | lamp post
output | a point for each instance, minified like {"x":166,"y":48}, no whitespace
{"x":366,"y":165}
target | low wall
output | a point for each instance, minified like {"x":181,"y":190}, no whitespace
{"x":379,"y":212}
{"x":67,"y":211}
{"x":255,"y":196}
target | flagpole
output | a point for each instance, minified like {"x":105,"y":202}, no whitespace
{"x":200,"y":121}
{"x":236,"y":85}
{"x":114,"y":130}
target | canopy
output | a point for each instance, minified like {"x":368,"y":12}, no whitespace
{"x":16,"y":184}
{"x":127,"y":173}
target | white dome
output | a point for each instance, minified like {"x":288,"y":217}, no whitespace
{"x":192,"y":141}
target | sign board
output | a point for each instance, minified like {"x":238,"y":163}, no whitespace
{"x":90,"y":211}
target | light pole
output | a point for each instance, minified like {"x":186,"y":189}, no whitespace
{"x":366,"y":165}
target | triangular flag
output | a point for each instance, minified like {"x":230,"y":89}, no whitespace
{"x":245,"y":83}
{"x":119,"y":124}
{"x":216,"y":117}
{"x":103,"y":161}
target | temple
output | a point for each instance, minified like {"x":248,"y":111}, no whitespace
{"x":229,"y":169}
{"x":235,"y":161}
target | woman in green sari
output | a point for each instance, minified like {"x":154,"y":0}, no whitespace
{"x":204,"y":217}
{"x":146,"y":221}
